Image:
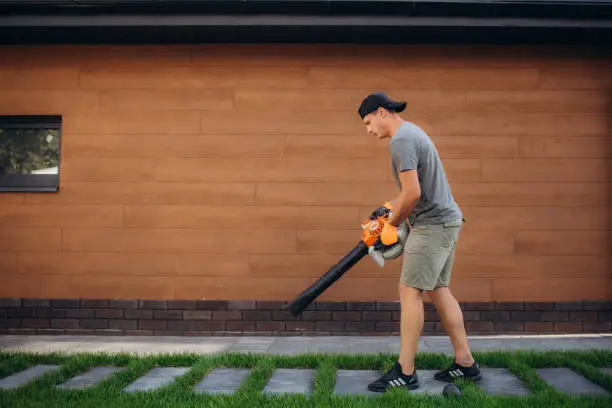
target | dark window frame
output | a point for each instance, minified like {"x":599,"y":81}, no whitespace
{"x":32,"y":182}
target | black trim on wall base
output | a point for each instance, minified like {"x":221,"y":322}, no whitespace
{"x":267,"y":318}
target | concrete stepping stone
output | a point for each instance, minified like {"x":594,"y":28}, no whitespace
{"x":355,"y":382}
{"x":90,"y":378}
{"x":222,"y":381}
{"x":25,"y":376}
{"x":428,"y":384}
{"x":568,"y":381}
{"x":290,"y":381}
{"x":156,"y":378}
{"x":501,"y":381}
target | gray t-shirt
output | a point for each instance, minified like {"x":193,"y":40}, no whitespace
{"x":411,"y":148}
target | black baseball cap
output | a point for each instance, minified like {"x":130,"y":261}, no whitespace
{"x":379,"y":100}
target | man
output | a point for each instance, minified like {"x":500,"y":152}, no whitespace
{"x":427,"y":204}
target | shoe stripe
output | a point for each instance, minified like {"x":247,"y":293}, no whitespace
{"x":457,"y":373}
{"x":396,"y":382}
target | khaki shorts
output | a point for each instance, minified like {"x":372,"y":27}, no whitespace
{"x":429,"y":252}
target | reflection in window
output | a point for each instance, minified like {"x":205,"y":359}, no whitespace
{"x":29,"y":153}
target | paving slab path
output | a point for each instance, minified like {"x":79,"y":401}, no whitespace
{"x":354,"y":382}
{"x":566,"y":380}
{"x":23,"y":377}
{"x":294,"y":345}
{"x":156,"y":378}
{"x":495,"y":382}
{"x":222,"y":381}
{"x":90,"y":378}
{"x":291,"y":381}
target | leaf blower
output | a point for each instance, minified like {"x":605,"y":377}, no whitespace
{"x":369,"y":244}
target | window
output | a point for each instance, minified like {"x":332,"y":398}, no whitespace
{"x":30,"y":152}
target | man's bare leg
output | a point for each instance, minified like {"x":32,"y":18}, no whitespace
{"x":452,"y":319}
{"x":411,"y":325}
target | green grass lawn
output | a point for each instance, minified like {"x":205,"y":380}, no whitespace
{"x":109,"y":394}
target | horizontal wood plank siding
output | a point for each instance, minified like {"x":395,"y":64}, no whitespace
{"x":243,"y":172}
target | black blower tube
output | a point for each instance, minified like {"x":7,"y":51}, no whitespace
{"x":305,"y":298}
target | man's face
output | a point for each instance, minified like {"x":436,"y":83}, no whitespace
{"x":375,"y":124}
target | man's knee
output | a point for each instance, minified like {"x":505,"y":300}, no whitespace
{"x":408,"y":291}
{"x":437,"y":293}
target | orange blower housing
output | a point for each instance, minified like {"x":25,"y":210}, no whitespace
{"x":372,"y":226}
{"x":372,"y":230}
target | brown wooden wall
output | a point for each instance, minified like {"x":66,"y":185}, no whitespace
{"x":212,"y":172}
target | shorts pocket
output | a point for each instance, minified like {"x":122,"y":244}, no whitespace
{"x":453,"y":224}
{"x":430,"y":239}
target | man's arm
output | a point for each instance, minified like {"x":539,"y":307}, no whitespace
{"x":404,"y":153}
{"x":405,"y":202}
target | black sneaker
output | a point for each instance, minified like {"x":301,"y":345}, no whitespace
{"x":395,"y":378}
{"x":456,"y":371}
